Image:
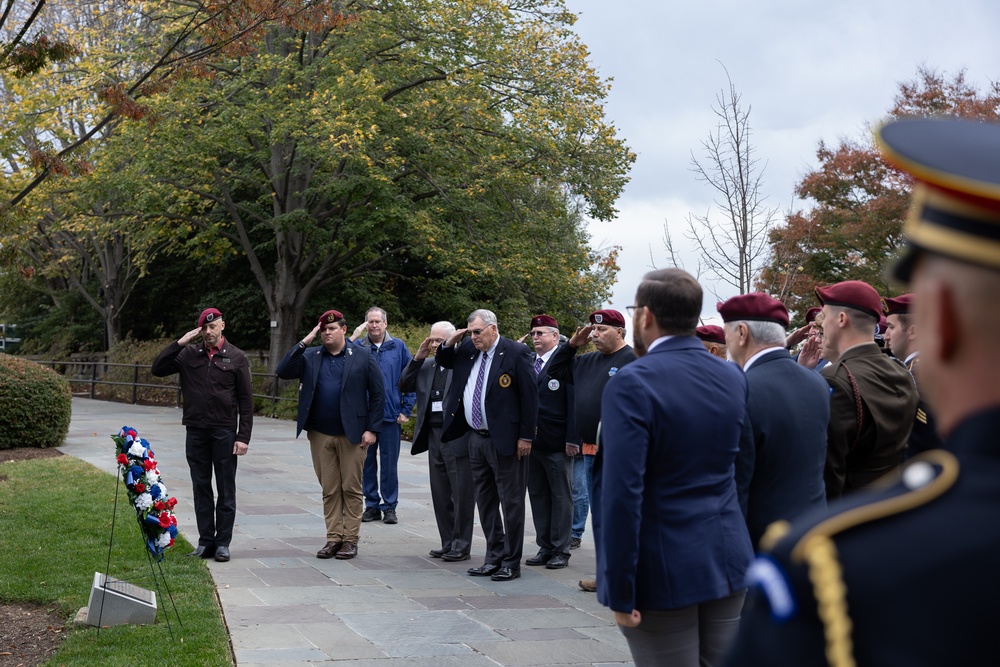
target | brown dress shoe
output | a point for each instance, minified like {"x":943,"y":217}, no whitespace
{"x":589,"y":585}
{"x":329,"y":550}
{"x":347,"y":551}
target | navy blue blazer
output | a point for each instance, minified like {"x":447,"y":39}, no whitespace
{"x":780,"y":471}
{"x":669,"y":531}
{"x":361,"y":391}
{"x":511,"y":393}
{"x":556,"y":411}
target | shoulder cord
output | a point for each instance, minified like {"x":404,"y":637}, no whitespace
{"x":827,"y":580}
{"x":857,"y":405}
{"x":818,"y":551}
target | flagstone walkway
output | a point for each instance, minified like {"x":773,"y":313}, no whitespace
{"x":393,"y":604}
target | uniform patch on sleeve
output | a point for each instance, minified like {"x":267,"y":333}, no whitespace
{"x":767,"y":576}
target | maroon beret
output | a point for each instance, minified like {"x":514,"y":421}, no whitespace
{"x":610,"y":317}
{"x":544,"y":321}
{"x":754,"y":306}
{"x":899,"y":305}
{"x":209,"y":315}
{"x":330,"y":316}
{"x":882,"y":325}
{"x":711,"y":333}
{"x":851,"y":294}
{"x":812,"y":313}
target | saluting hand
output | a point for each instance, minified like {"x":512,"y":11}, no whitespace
{"x":359,"y":331}
{"x":581,"y":336}
{"x":810,"y":353}
{"x":188,"y":337}
{"x":797,"y":336}
{"x":312,"y":335}
{"x":424,"y":350}
{"x":456,"y":337}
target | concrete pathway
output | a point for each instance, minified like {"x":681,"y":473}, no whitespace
{"x":393,"y":604}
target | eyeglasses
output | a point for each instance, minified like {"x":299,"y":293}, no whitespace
{"x":631,"y":309}
{"x":538,"y":334}
{"x":477,"y":332}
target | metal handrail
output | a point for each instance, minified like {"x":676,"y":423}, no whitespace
{"x":94,"y":380}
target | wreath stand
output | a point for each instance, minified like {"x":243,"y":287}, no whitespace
{"x":124,"y":602}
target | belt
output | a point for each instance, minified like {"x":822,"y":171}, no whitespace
{"x":481,"y":432}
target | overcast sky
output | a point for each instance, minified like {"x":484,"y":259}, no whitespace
{"x":808,"y":71}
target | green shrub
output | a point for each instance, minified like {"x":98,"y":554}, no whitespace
{"x":35,"y":404}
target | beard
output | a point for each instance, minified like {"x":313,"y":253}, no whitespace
{"x":638,"y":345}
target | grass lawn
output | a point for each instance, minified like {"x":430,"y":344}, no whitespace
{"x":55,"y":523}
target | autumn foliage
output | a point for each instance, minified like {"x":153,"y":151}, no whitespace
{"x":859,"y":202}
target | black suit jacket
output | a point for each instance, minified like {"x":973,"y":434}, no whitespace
{"x":361,"y":390}
{"x":556,"y":411}
{"x":418,"y":377}
{"x":779,"y":471}
{"x":511,"y":393}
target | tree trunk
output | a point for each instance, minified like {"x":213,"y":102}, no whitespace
{"x":286,"y":305}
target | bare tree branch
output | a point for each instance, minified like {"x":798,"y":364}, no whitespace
{"x":733,"y":243}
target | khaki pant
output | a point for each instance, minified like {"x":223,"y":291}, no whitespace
{"x":338,"y":465}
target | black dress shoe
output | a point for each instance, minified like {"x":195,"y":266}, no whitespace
{"x":201,"y":551}
{"x":541,"y":558}
{"x":484,"y":570}
{"x":222,"y":554}
{"x":437,"y":553}
{"x":558,"y":561}
{"x":506,"y":574}
{"x":455,"y":556}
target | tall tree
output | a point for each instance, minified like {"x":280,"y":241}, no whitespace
{"x":76,"y":233}
{"x":859,"y":202}
{"x":38,"y":34}
{"x":457,"y":136}
{"x":733,"y":241}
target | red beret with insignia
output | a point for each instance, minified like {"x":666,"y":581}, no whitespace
{"x":209,"y":315}
{"x":852,"y":294}
{"x":330,"y":316}
{"x":812,"y":313}
{"x":899,"y":305}
{"x":711,"y":333}
{"x":544,"y":321}
{"x":755,"y":306}
{"x":610,"y":317}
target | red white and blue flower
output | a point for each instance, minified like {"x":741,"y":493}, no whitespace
{"x":153,"y":507}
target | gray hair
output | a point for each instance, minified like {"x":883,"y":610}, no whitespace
{"x":385,"y":318}
{"x":445,"y":326}
{"x":764,"y":333}
{"x":487,"y":316}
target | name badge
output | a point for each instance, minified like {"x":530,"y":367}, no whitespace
{"x":437,"y":406}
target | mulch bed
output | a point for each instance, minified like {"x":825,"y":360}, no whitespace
{"x":29,"y":634}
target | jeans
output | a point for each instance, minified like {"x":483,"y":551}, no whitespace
{"x":583,"y":465}
{"x":380,"y":471}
